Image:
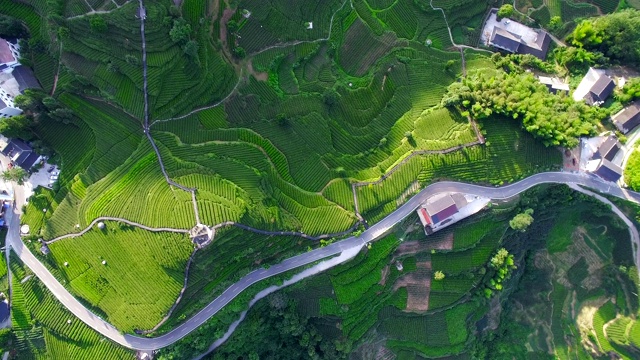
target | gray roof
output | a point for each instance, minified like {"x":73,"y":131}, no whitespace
{"x":2,"y":104}
{"x":439,"y":205}
{"x":25,"y":78}
{"x":26,"y":156}
{"x":539,"y":48}
{"x":609,"y":171}
{"x":505,"y":40}
{"x":602,"y":88}
{"x":609,"y":148}
{"x":628,"y":118}
{"x":514,"y":43}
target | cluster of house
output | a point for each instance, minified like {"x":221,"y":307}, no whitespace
{"x":14,"y":80}
{"x":594,"y":89}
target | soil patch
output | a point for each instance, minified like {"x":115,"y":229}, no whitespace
{"x":260,"y":76}
{"x":418,"y":285}
{"x":414,"y":247}
{"x":226,"y":16}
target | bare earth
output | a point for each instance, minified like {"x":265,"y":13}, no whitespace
{"x":418,"y":285}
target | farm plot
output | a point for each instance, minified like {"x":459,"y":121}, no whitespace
{"x":361,"y":48}
{"x":280,"y":21}
{"x":234,"y":253}
{"x":175,"y":84}
{"x":58,"y":334}
{"x":511,"y":155}
{"x":132,"y":275}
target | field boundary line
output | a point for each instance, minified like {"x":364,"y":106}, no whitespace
{"x":414,"y":154}
{"x":298,"y":42}
{"x":449,"y":31}
{"x":287,"y":233}
{"x":109,"y":218}
{"x":235,"y":88}
{"x":175,"y":304}
{"x":195,"y":111}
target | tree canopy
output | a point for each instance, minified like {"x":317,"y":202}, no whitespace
{"x":522,"y":221}
{"x":16,"y":174}
{"x":616,"y":35}
{"x":632,"y":171}
{"x":505,"y":11}
{"x":557,"y":120}
{"x":11,"y":27}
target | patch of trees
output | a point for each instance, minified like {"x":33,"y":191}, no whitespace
{"x":16,"y":174}
{"x":37,"y":107}
{"x":502,"y":263}
{"x":557,"y":120}
{"x":522,"y":221}
{"x":616,"y":35}
{"x":272,"y":329}
{"x":276,"y":330}
{"x":632,"y":171}
{"x":12,"y":27}
{"x":630,"y":91}
{"x":180,"y":33}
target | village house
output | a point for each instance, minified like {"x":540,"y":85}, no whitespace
{"x":594,"y":88}
{"x":516,"y":38}
{"x":628,"y":118}
{"x":441,"y":211}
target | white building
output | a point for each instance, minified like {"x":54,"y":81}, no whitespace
{"x":9,"y":89}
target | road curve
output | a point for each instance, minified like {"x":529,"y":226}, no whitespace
{"x":375,"y":232}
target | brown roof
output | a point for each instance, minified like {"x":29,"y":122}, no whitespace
{"x":5,"y":52}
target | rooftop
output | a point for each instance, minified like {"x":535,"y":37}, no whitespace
{"x":609,"y":148}
{"x":595,"y":82}
{"x":627,"y":118}
{"x":25,"y":78}
{"x":525,"y":33}
{"x":5,"y":52}
{"x":609,"y":171}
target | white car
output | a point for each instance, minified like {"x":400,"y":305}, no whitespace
{"x":53,"y":177}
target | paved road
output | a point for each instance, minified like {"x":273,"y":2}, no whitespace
{"x":375,"y":232}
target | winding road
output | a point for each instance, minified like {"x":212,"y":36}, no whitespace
{"x":348,"y":245}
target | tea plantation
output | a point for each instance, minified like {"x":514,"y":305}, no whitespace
{"x":306,"y":116}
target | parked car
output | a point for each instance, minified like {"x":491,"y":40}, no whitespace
{"x":53,"y":177}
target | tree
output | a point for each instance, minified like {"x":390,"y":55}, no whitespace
{"x":181,"y":31}
{"x":408,"y":135}
{"x":239,"y":52}
{"x":505,"y":11}
{"x":132,"y":60}
{"x":630,"y":91}
{"x":112,"y":68}
{"x":63,"y":115}
{"x":500,"y":258}
{"x":522,"y":221}
{"x":615,"y":35}
{"x":232,"y":26}
{"x":282,"y":120}
{"x":12,"y":27}
{"x":191,"y":50}
{"x":18,"y":126}
{"x":449,"y":64}
{"x":16,"y":174}
{"x":97,"y":24}
{"x":438,"y":275}
{"x":50,"y":102}
{"x":631,"y":171}
{"x":555,"y":23}
{"x":330,"y":97}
